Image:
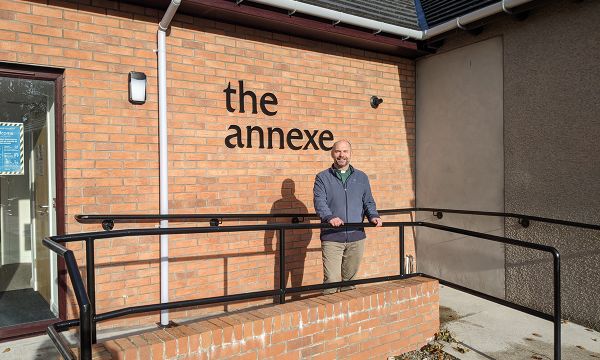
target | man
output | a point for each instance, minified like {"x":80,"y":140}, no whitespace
{"x":342,"y":194}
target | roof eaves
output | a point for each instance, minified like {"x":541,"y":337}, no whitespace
{"x":271,"y":18}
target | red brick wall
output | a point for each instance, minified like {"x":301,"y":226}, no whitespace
{"x":111,"y":146}
{"x":373,"y":322}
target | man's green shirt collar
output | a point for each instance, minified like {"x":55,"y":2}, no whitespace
{"x":343,"y":176}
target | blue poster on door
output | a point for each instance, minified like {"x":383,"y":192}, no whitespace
{"x":11,"y":149}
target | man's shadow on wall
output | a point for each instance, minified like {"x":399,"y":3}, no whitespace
{"x":296,"y":241}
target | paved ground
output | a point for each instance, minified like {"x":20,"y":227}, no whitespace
{"x":491,"y":331}
{"x":39,"y":347}
{"x":486,"y":330}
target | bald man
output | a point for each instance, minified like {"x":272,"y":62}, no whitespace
{"x":342,"y":194}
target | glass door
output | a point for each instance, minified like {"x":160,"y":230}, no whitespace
{"x":28,"y":271}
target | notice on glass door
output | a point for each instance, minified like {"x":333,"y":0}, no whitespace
{"x":11,"y":149}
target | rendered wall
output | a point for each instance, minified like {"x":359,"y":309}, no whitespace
{"x":460,"y":163}
{"x":551,"y":132}
{"x":111,"y":146}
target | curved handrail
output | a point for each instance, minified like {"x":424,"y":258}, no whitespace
{"x":83,"y":301}
{"x":88,"y":318}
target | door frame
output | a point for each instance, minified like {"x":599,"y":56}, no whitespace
{"x":57,"y":76}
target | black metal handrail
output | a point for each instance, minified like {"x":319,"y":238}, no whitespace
{"x":524,"y":220}
{"x":83,"y":301}
{"x":108,"y":221}
{"x":86,"y":300}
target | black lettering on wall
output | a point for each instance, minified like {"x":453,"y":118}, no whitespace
{"x":268,"y":101}
{"x":311,"y":139}
{"x":264,"y":102}
{"x":243,"y":95}
{"x":249,"y":131}
{"x":294,"y":134}
{"x":237,"y":135}
{"x":326,"y":135}
{"x":265,"y":99}
{"x":228,"y":91}
{"x":270,"y":136}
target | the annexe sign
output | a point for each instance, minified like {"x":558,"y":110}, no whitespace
{"x":295,"y":139}
{"x":11,"y":149}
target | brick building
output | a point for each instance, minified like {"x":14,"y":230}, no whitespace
{"x":109,"y":146}
{"x":256,"y":94}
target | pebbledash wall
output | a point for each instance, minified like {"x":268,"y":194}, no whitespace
{"x":111,"y":146}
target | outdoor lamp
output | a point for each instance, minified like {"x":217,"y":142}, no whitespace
{"x":137,"y":87}
{"x":375,"y":101}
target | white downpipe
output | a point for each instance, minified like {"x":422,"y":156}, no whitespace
{"x":163,"y":158}
{"x":378,"y":26}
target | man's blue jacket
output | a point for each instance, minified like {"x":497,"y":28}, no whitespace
{"x":351,"y":202}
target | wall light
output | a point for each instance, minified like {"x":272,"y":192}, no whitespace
{"x":137,"y":87}
{"x":375,"y":101}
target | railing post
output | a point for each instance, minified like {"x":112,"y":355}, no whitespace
{"x":402,"y":256}
{"x":85,"y":332}
{"x":282,"y":276}
{"x":91,"y":282}
{"x":557,"y":309}
{"x":85,"y":308}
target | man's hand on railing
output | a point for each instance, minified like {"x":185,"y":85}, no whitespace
{"x":377,"y":221}
{"x":336,"y":222}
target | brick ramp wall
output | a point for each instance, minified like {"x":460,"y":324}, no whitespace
{"x":370,"y":322}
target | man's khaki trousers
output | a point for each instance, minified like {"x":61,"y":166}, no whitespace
{"x":341,"y":262}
